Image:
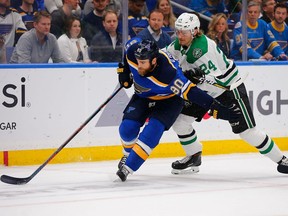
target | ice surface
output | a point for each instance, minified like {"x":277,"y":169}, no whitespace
{"x":234,"y":185}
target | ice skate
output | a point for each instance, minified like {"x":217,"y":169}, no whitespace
{"x":122,"y":173}
{"x":189,"y":164}
{"x":283,"y":165}
{"x":122,"y":161}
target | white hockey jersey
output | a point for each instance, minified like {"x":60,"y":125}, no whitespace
{"x":203,"y":53}
{"x":18,"y":27}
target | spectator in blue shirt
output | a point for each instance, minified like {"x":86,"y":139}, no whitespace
{"x":154,"y":32}
{"x":137,"y":21}
{"x":278,"y":26}
{"x":27,"y":12}
{"x":261,"y":41}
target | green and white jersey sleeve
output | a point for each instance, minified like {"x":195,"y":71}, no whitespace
{"x":203,"y":53}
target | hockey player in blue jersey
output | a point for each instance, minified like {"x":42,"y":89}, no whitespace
{"x":160,"y":88}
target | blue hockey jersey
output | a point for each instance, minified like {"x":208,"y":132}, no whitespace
{"x":281,"y":35}
{"x":165,"y":81}
{"x":260,"y":39}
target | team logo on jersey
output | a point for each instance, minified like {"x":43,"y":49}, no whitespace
{"x":270,"y":34}
{"x":140,"y":89}
{"x":197,"y":53}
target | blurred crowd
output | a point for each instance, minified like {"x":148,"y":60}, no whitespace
{"x":91,"y":31}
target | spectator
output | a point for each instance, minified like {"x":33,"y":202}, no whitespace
{"x":154,"y":32}
{"x":106,"y":46}
{"x":256,"y":1}
{"x":93,"y":22}
{"x":72,"y":46}
{"x":2,"y":50}
{"x":27,"y":12}
{"x":62,"y":14}
{"x":137,"y":21}
{"x":261,"y":41}
{"x":17,"y":3}
{"x":278,"y":26}
{"x":113,"y":5}
{"x":52,"y":5}
{"x":10,"y":18}
{"x":169,"y":17}
{"x":217,"y":31}
{"x":5,"y":51}
{"x":37,"y":45}
{"x":268,"y":10}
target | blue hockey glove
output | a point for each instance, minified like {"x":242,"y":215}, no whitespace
{"x":196,"y":75}
{"x":124,"y":77}
{"x":219,"y":111}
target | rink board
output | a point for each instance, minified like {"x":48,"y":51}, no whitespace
{"x":42,"y":105}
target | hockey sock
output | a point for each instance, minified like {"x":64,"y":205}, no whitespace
{"x":128,"y":131}
{"x":186,"y":134}
{"x":263,"y":143}
{"x":148,"y":140}
{"x":190,"y":143}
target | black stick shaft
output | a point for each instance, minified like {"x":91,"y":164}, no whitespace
{"x":14,"y":180}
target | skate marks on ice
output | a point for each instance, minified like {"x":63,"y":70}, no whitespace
{"x":236,"y":179}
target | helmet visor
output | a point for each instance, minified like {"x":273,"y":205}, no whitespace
{"x":183,"y":32}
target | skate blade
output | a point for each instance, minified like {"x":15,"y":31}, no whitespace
{"x":117,"y":180}
{"x":282,"y":169}
{"x":189,"y":170}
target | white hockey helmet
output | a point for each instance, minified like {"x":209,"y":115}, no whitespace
{"x":187,"y":21}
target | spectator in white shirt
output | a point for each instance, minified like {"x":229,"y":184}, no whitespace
{"x":72,"y":45}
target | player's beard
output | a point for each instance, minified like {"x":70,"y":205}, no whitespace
{"x":146,"y":72}
{"x":143,"y":72}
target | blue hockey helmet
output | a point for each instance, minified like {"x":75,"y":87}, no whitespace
{"x":147,"y":49}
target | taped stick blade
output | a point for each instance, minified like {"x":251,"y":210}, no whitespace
{"x":14,"y":180}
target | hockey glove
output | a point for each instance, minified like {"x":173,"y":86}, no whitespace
{"x":124,"y":77}
{"x":219,"y":111}
{"x":196,"y":75}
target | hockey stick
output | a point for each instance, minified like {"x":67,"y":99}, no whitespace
{"x":228,"y":88}
{"x":19,"y":181}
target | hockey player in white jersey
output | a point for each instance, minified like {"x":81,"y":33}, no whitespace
{"x":196,"y":51}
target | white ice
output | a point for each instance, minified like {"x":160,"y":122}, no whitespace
{"x":234,"y":185}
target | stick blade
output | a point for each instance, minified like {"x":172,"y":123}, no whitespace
{"x":13,"y":180}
